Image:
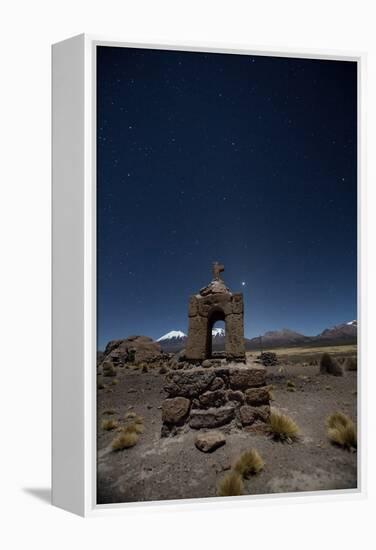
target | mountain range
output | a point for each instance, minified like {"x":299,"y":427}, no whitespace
{"x":345,"y":333}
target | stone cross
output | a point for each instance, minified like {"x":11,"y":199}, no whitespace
{"x":217,"y":270}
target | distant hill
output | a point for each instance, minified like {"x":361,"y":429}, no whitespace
{"x":278,"y":338}
{"x":345,"y":333}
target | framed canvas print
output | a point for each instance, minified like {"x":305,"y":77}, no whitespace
{"x":206,"y":275}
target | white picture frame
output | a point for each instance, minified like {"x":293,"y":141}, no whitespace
{"x":74,"y":277}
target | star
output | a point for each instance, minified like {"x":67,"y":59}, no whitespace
{"x":243,"y":283}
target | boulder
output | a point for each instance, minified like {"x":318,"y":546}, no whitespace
{"x":211,"y":418}
{"x":189,"y":383}
{"x":175,"y":410}
{"x":210,"y":441}
{"x":268,"y":358}
{"x":257,"y":396}
{"x":247,"y":377}
{"x":134,"y":349}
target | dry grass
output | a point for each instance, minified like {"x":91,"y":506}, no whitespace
{"x":108,"y":369}
{"x":231,"y":485}
{"x":282,"y":427}
{"x":328,"y":365}
{"x":124,"y":440}
{"x":109,"y":411}
{"x":249,"y":463}
{"x":109,"y":424}
{"x":341,"y":430}
{"x":130,"y":415}
{"x":135,"y":427}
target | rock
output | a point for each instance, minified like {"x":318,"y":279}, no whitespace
{"x":209,"y":441}
{"x":257,"y":396}
{"x":248,"y":415}
{"x":211,"y":418}
{"x":247,"y":377}
{"x":206,"y":363}
{"x":189,"y":383}
{"x":235,"y":395}
{"x":215,"y":398}
{"x":175,"y":410}
{"x":217,"y":384}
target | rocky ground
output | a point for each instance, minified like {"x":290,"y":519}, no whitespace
{"x":173,"y":468}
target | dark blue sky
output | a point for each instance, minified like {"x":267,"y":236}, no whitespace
{"x":247,"y":160}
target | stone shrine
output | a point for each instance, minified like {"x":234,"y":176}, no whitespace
{"x":215,"y":303}
{"x":205,"y":392}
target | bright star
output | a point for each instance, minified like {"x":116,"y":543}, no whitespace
{"x":243,"y":283}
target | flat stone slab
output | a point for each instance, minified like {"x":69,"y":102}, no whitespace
{"x":189,"y":383}
{"x":211,"y":418}
{"x":208,"y":442}
{"x":257,"y":396}
{"x":242,"y":378}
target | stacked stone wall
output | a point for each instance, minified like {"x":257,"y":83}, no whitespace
{"x":228,"y":396}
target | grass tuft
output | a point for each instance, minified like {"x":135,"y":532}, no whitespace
{"x":109,"y":411}
{"x":124,"y":440}
{"x":328,"y":365}
{"x":109,"y":424}
{"x":341,"y":430}
{"x":135,"y":427}
{"x":108,"y":369}
{"x":249,"y":463}
{"x":282,"y":427}
{"x":231,"y":485}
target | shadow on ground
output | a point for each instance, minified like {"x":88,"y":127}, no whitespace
{"x":41,"y":493}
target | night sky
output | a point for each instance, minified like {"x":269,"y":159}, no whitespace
{"x":248,"y":160}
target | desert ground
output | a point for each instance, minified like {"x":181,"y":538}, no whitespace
{"x":166,"y":468}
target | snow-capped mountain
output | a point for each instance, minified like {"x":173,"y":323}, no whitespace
{"x":218,"y":332}
{"x":174,"y":341}
{"x":173,"y":334}
{"x":343,"y":333}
